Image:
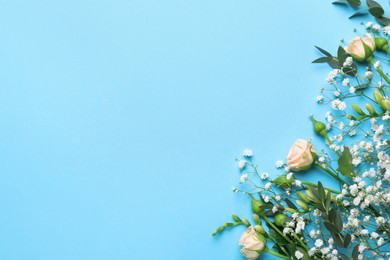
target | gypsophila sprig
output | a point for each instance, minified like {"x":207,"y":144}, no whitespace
{"x":306,"y":220}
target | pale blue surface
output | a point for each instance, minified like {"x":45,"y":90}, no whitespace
{"x":121,"y":120}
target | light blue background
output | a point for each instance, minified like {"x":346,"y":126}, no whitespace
{"x":121,"y":120}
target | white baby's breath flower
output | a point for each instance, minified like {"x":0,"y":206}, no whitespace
{"x":319,"y":243}
{"x":264,"y":176}
{"x":319,"y":99}
{"x":242,"y":164}
{"x":298,"y":254}
{"x":243,"y":178}
{"x":386,"y":30}
{"x":279,"y":164}
{"x":376,"y":27}
{"x":248,"y":153}
{"x":368,"y":74}
{"x":377,"y":64}
{"x":345,"y":82}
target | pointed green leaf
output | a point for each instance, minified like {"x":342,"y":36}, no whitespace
{"x":322,"y":60}
{"x":345,"y":163}
{"x":383,"y":20}
{"x":358,"y":13}
{"x":324,"y":51}
{"x":340,"y":2}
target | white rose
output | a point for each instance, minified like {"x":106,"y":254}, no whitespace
{"x":300,"y":155}
{"x":356,"y":48}
{"x":252,"y":245}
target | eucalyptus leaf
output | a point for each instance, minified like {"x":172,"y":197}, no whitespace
{"x":376,"y":11}
{"x":354,"y":3}
{"x":372,"y":3}
{"x":358,"y":13}
{"x":340,"y":2}
{"x":383,"y":20}
{"x":322,"y":60}
{"x":324,"y":51}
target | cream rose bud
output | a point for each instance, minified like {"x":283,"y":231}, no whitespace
{"x":300,"y":156}
{"x":356,"y":48}
{"x":252,"y":245}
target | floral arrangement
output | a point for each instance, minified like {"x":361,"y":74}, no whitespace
{"x":297,"y":219}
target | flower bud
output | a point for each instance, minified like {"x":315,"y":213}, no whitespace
{"x":279,"y":219}
{"x":260,"y":229}
{"x":311,"y":196}
{"x":370,"y":109}
{"x":256,"y":207}
{"x":282,"y":181}
{"x":379,"y":98}
{"x":358,"y":110}
{"x":319,"y":127}
{"x":303,"y":196}
{"x":246,"y":222}
{"x":236,"y":218}
{"x":350,"y":117}
{"x":386,"y":104}
{"x":302,"y":205}
{"x":257,"y":218}
{"x":381,"y":44}
{"x":291,"y":210}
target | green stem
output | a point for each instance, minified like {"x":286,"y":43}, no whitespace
{"x":300,"y":241}
{"x":331,"y":142}
{"x":371,"y":60}
{"x":276,"y":229}
{"x":272,"y":252}
{"x":330,"y":173}
{"x":316,"y":186}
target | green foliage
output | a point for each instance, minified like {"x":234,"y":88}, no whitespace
{"x":345,"y":163}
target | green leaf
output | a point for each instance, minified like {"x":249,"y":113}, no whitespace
{"x":276,"y":237}
{"x":344,"y":257}
{"x":354,"y":2}
{"x":328,"y":201}
{"x":321,"y":192}
{"x":345,"y":163}
{"x":376,"y":11}
{"x":340,"y":2}
{"x":290,"y":204}
{"x":358,"y":13}
{"x":324,"y":51}
{"x":332,"y":228}
{"x":338,"y":221}
{"x":334,"y":63}
{"x":383,"y":20}
{"x":347,"y":240}
{"x":322,"y":60}
{"x":372,"y":3}
{"x":361,"y":87}
{"x":355,"y":253}
{"x":341,"y":55}
{"x":337,"y":239}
